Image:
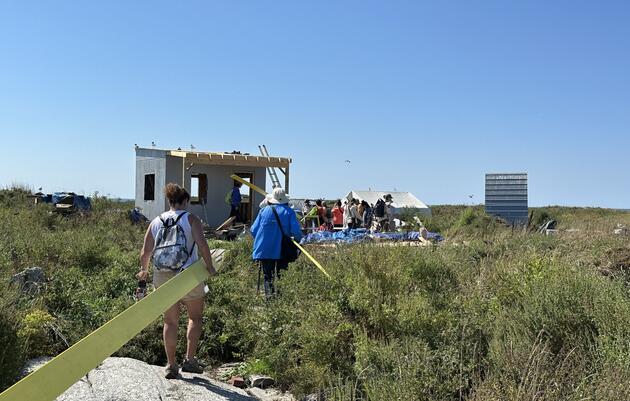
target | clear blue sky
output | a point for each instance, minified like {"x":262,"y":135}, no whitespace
{"x":424,"y":97}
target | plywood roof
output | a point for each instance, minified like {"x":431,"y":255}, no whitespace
{"x":231,"y":159}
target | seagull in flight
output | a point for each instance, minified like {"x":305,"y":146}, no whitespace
{"x":347,"y":161}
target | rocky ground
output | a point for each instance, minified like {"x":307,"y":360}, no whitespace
{"x":129,"y":379}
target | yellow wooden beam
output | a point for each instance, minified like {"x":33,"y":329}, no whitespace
{"x":249,"y":184}
{"x":61,"y":372}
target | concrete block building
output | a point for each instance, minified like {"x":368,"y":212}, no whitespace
{"x":206,"y":175}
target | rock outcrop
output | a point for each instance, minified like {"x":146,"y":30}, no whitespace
{"x":122,"y":379}
{"x":30,"y":280}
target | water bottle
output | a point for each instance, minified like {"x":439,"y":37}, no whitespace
{"x":141,"y":291}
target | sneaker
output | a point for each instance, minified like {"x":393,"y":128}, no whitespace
{"x":171,"y":371}
{"x":191,"y":366}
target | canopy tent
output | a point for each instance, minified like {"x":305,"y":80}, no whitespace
{"x":401,"y":200}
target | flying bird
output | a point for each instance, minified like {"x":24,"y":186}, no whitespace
{"x":153,"y":144}
{"x":347,"y":161}
{"x":192,"y":147}
{"x":471,"y":196}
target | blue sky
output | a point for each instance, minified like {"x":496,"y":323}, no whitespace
{"x":420,"y":96}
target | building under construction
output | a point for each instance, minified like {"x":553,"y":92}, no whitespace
{"x":206,"y":175}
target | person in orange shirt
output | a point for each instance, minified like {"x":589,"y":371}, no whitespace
{"x":337,"y":213}
{"x":321,"y":211}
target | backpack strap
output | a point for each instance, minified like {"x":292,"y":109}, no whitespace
{"x":194,"y":243}
{"x":179,"y":217}
{"x":165,"y":224}
{"x":278,"y":220}
{"x":168,"y":223}
{"x":176,"y":221}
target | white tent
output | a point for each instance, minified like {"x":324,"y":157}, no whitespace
{"x":399,"y":200}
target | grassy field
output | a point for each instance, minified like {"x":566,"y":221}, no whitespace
{"x":492,"y":313}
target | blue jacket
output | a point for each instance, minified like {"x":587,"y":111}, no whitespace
{"x":267,"y":235}
{"x":236,"y":197}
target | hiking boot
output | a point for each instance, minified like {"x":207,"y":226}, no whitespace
{"x":191,"y":366}
{"x":171,"y":371}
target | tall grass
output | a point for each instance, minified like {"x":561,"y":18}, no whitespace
{"x":490,"y":314}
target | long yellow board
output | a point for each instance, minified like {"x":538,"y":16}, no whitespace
{"x":300,"y":247}
{"x":249,"y":184}
{"x":61,"y":372}
{"x":315,"y":262}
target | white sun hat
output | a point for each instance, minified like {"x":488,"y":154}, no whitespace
{"x":278,"y":197}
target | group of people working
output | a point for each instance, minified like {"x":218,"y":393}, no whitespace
{"x":351,"y":214}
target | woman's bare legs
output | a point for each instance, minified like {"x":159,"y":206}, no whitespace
{"x":195,"y":311}
{"x":171,"y":321}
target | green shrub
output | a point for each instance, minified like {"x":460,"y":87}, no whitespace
{"x":35,"y":334}
{"x":11,"y":356}
{"x":490,"y":314}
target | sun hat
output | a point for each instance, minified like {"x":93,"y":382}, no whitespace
{"x":278,"y":197}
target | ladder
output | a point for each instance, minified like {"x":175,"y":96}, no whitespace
{"x":272,"y":171}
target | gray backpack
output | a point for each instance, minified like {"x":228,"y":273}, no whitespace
{"x":171,"y":251}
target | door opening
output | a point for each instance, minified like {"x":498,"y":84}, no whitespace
{"x":247,"y":196}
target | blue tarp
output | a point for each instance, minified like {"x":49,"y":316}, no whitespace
{"x":361,"y":234}
{"x":136,"y":216}
{"x":79,"y":202}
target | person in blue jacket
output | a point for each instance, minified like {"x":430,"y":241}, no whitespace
{"x":268,"y":237}
{"x":235,"y":202}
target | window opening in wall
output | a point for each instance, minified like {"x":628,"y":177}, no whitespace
{"x":149,"y":187}
{"x":199,"y":188}
{"x":245,"y":190}
{"x":194,"y":189}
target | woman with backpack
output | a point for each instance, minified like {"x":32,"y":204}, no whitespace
{"x":171,"y":244}
{"x":273,"y":224}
